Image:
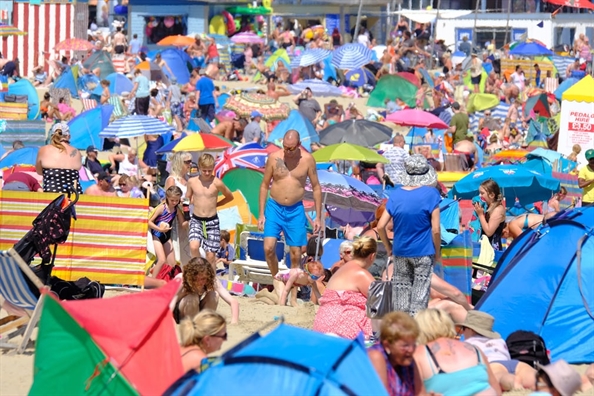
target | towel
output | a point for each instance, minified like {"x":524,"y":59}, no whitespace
{"x":474,"y":225}
{"x":486,"y":257}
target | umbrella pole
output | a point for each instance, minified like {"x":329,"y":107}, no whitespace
{"x":434,"y":36}
{"x":509,"y":5}
{"x":356,"y":32}
{"x":322,"y":224}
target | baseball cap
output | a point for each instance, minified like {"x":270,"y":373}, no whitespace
{"x":104,"y":176}
{"x":92,"y":148}
{"x":256,"y":113}
{"x":590,"y":154}
{"x":438,"y":74}
{"x":456,"y":106}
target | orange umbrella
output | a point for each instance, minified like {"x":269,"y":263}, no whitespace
{"x":176,"y":41}
{"x":74,"y":44}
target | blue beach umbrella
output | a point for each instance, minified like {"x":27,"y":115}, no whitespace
{"x":358,"y":77}
{"x":313,"y":56}
{"x":134,"y":126}
{"x":24,"y":156}
{"x":296,"y":121}
{"x":287,"y":361}
{"x":517,"y":182}
{"x":118,"y":83}
{"x":351,"y":56}
{"x":85,"y":127}
{"x":318,"y":88}
{"x":564,"y":86}
{"x":530,"y":49}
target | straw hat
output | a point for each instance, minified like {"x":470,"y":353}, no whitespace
{"x":418,"y":172}
{"x":563,"y":377}
{"x":481,"y":323}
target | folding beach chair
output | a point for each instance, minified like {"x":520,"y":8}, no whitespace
{"x":15,"y":290}
{"x":254,"y":267}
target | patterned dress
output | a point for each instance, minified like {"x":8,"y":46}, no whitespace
{"x":342,"y":312}
{"x":401,"y":381}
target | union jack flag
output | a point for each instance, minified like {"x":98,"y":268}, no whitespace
{"x":249,"y":155}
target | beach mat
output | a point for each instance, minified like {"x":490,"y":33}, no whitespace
{"x":31,"y":133}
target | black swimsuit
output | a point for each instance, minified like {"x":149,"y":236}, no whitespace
{"x":60,"y":180}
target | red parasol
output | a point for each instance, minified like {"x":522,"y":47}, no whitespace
{"x":572,"y":3}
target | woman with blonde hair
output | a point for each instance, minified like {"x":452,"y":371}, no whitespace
{"x":200,"y":336}
{"x":448,"y":366}
{"x":59,"y":162}
{"x":343,"y":304}
{"x":181,"y":163}
{"x":128,"y":187}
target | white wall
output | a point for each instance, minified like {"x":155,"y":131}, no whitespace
{"x":197,"y":15}
{"x":576,"y":127}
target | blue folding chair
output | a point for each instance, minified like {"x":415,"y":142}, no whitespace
{"x":15,"y":290}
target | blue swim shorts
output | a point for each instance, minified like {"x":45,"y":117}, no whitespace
{"x":510,"y":365}
{"x":290,"y":220}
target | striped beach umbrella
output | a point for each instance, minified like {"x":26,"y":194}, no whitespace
{"x":313,"y":56}
{"x":7,"y":30}
{"x":351,"y":56}
{"x":247,"y":38}
{"x":134,"y":126}
{"x":318,"y":88}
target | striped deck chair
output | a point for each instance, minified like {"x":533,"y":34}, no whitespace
{"x":88,"y":103}
{"x":500,"y":111}
{"x":14,"y":289}
{"x":119,"y":110}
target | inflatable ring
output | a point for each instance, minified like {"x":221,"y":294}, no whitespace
{"x":229,"y":21}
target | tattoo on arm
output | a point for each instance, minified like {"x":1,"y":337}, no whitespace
{"x":280,"y":165}
{"x":73,"y":153}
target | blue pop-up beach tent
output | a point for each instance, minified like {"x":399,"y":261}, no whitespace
{"x":67,"y":81}
{"x":177,"y":60}
{"x":544,"y":283}
{"x":287,"y":361}
{"x":296,"y":121}
{"x":85,"y":127}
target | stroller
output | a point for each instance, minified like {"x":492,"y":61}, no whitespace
{"x":52,"y":227}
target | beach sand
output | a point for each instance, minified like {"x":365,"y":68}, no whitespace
{"x":16,"y":371}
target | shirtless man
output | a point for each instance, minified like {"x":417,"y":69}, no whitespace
{"x":230,"y":129}
{"x":467,"y":148}
{"x":119,"y":41}
{"x":203,"y":191}
{"x":288,"y":170}
{"x":103,"y":188}
{"x":276,"y":92}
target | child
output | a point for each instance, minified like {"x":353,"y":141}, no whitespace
{"x":203,"y":191}
{"x":160,"y":227}
{"x":575,"y":151}
{"x":198,"y":290}
{"x":287,"y":280}
{"x":226,"y":253}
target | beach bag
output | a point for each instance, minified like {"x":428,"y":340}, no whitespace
{"x":527,"y":347}
{"x":167,"y":272}
{"x":82,"y":289}
{"x":379,"y":299}
{"x":10,"y":98}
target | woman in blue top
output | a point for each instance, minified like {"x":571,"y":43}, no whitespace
{"x":414,"y":210}
{"x":449,"y":367}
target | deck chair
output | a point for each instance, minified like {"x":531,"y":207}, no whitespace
{"x":254,"y":267}
{"x":14,"y":289}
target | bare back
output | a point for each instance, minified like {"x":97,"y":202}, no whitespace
{"x":351,"y":277}
{"x":50,"y":157}
{"x":204,"y":196}
{"x":289,"y":176}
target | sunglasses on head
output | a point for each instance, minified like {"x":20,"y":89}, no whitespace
{"x":312,"y":276}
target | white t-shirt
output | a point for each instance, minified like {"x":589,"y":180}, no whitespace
{"x":494,"y":349}
{"x":518,"y":80}
{"x":363,"y":39}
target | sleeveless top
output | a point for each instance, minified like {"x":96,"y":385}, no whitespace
{"x":59,"y":180}
{"x":468,"y":381}
{"x":127,"y":167}
{"x":150,"y":156}
{"x":495,"y":239}
{"x":401,"y":381}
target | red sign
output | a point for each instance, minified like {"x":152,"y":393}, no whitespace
{"x":580,"y":127}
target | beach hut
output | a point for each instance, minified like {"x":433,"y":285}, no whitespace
{"x":544,"y":283}
{"x":577,"y":118}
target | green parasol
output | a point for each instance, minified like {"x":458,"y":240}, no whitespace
{"x":393,"y":87}
{"x":247,"y":181}
{"x":240,"y":10}
{"x":348,"y":152}
{"x":481,"y":102}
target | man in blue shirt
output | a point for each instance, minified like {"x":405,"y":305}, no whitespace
{"x":205,"y":96}
{"x":134,"y":47}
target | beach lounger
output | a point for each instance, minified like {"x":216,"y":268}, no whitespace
{"x":254,"y":267}
{"x":14,"y":289}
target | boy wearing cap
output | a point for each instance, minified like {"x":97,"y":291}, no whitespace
{"x":586,"y":179}
{"x":558,"y":379}
{"x":252,"y":131}
{"x":477,"y":330}
{"x":103,"y":188}
{"x":91,"y":162}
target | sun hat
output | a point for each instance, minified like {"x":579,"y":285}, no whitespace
{"x":563,"y":377}
{"x":61,"y":127}
{"x":481,"y":323}
{"x":589,"y":154}
{"x":418,"y":172}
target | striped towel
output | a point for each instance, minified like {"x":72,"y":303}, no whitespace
{"x":561,"y":63}
{"x":88,"y":103}
{"x":13,"y":111}
{"x":119,"y":64}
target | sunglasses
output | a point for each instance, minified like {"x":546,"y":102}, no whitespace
{"x":312,"y":276}
{"x":188,"y":162}
{"x":123,"y":184}
{"x":347,"y":252}
{"x":290,"y":149}
{"x":224,"y":336}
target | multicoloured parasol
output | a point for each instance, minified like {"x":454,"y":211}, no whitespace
{"x":74,"y":44}
{"x":177,"y":41}
{"x":7,"y":30}
{"x":124,"y":345}
{"x":246,"y":102}
{"x":201,"y":142}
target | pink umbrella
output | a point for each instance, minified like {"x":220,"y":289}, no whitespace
{"x":247,"y":38}
{"x":416,"y":118}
